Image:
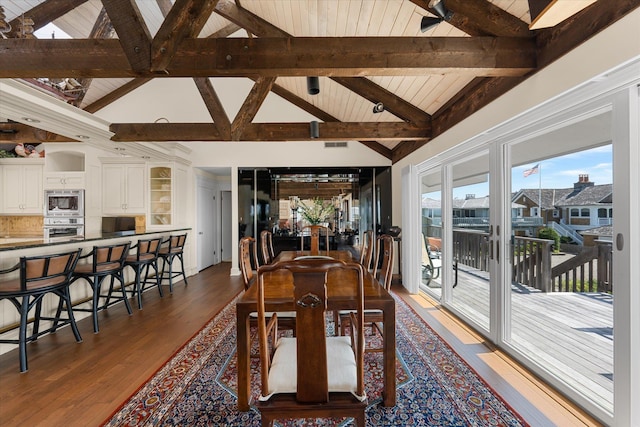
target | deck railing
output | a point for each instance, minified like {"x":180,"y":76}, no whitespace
{"x":531,"y":260}
{"x":589,"y":271}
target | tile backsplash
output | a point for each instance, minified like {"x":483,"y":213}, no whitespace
{"x":21,"y":226}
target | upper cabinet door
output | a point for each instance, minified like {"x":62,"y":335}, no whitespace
{"x":22,"y":189}
{"x":123,"y":189}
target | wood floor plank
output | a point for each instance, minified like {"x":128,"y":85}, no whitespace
{"x":83,"y":383}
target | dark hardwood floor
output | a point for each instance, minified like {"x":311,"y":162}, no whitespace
{"x":81,"y":384}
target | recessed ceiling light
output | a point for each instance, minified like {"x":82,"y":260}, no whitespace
{"x":82,"y":137}
{"x":30,"y":120}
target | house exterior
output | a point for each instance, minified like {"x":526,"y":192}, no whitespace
{"x":582,"y":207}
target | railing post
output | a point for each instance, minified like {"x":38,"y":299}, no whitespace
{"x":544,"y":275}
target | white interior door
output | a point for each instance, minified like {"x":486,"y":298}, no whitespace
{"x":225,"y":221}
{"x":206,"y":227}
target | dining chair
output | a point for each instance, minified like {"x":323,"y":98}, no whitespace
{"x":266,"y":246}
{"x":383,"y":275}
{"x":311,"y":374}
{"x":39,"y":275}
{"x":249,"y":258}
{"x":314,"y":233}
{"x":144,"y":258}
{"x":105,"y":261}
{"x":172,"y":248}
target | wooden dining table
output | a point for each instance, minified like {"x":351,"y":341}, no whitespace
{"x":341,"y":296}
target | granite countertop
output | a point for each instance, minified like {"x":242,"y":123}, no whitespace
{"x":9,"y":243}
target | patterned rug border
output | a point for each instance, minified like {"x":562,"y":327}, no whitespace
{"x":204,"y":352}
{"x":170,"y":358}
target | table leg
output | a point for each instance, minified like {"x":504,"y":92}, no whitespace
{"x":389,"y":354}
{"x":243,"y":355}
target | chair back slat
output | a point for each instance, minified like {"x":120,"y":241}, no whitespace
{"x":248,"y":256}
{"x":366,"y":254}
{"x":310,"y":298}
{"x":384,"y":250}
{"x":266,"y":246}
{"x":54,"y":269}
{"x":110,"y":254}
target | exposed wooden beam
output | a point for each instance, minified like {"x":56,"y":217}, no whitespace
{"x":557,"y":41}
{"x":481,"y":18}
{"x":116,"y":94}
{"x":251,"y":105}
{"x":185,"y":19}
{"x":269,"y":57}
{"x":45,"y":13}
{"x":392,"y":103}
{"x":133,"y":35}
{"x":332,"y":131}
{"x":214,"y":105}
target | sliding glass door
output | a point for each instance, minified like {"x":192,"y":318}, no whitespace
{"x":471,"y":232}
{"x":561,"y":298}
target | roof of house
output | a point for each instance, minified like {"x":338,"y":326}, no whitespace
{"x":589,"y":196}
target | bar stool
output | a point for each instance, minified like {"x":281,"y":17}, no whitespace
{"x":146,"y":256}
{"x":174,"y":249}
{"x":105,"y":261}
{"x":39,"y":275}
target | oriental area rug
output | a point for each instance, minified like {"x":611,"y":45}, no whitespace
{"x":435,"y":387}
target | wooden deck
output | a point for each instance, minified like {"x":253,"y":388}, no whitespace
{"x":568,"y":334}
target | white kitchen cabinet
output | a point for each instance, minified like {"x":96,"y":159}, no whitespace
{"x":22,"y":191}
{"x":123,"y":188}
{"x":64,"y":181}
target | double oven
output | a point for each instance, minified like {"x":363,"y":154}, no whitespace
{"x":63,"y":213}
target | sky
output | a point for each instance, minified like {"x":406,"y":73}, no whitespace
{"x":555,"y":172}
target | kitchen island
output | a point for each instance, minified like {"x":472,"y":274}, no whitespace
{"x":12,"y":248}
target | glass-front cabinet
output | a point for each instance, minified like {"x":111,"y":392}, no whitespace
{"x":160,"y":194}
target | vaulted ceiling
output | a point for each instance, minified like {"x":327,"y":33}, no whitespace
{"x":363,"y":51}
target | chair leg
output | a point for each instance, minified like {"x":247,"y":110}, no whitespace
{"x":137,"y":288}
{"x":95,"y":284}
{"x":158,"y":277}
{"x":168,"y":260}
{"x":22,"y":335}
{"x":72,"y":320}
{"x":120,"y":277}
{"x":182,"y":268}
{"x":36,"y":320}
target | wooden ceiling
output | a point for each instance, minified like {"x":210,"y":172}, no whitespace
{"x":364,"y":51}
